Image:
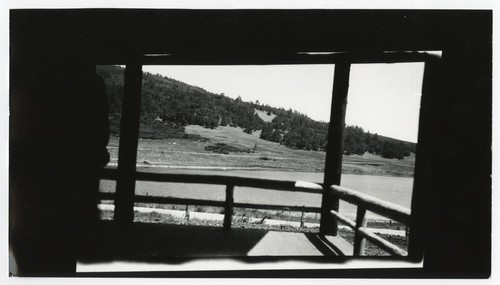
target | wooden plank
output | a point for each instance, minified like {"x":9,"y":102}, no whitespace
{"x":376,"y":205}
{"x":359,"y":240}
{"x":228,"y":207}
{"x":334,"y":150}
{"x":129,"y":135}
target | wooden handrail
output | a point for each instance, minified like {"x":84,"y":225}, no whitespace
{"x":373,"y":204}
{"x":366,"y":202}
{"x":283,"y":185}
{"x":365,"y":233}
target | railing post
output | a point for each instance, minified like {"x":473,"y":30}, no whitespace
{"x":129,"y":135}
{"x":334,"y":150}
{"x":359,"y":240}
{"x":302,"y":217}
{"x":186,"y":214}
{"x":228,"y":208}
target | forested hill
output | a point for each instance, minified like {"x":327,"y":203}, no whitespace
{"x":168,"y":105}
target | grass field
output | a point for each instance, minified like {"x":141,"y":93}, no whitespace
{"x":191,"y":153}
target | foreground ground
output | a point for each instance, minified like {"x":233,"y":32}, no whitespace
{"x":346,"y":234}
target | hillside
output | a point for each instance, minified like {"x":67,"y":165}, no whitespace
{"x":174,"y":153}
{"x":168,"y":106}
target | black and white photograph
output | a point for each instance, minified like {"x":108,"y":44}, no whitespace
{"x":250,"y":143}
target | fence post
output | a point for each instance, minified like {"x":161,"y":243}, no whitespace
{"x":359,"y":240}
{"x":228,"y":207}
{"x":302,"y":218}
{"x":186,"y":214}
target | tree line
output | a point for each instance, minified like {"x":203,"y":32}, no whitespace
{"x":168,"y":105}
{"x":356,"y":141}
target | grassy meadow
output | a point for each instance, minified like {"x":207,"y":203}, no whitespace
{"x":248,"y":151}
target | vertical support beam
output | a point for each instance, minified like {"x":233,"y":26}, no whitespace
{"x":129,"y":135}
{"x":430,"y":111}
{"x":359,"y":240}
{"x":228,"y":208}
{"x":334,"y":151}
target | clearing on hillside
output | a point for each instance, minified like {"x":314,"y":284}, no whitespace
{"x":264,"y":116}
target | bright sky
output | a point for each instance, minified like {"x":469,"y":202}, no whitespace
{"x":383,"y":98}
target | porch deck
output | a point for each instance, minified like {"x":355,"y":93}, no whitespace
{"x":172,"y":244}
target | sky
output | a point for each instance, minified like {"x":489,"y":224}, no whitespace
{"x":382,"y":98}
{"x":385,"y":98}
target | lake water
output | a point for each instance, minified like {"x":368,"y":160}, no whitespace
{"x":393,"y":189}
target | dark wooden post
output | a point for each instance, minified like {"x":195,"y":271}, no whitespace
{"x":359,"y":240}
{"x":186,"y":214}
{"x":427,"y":140}
{"x":333,"y":163}
{"x":228,"y":208}
{"x":302,"y":217}
{"x":129,"y":135}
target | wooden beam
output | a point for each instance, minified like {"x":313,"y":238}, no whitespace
{"x":129,"y":135}
{"x":334,"y":151}
{"x":431,"y":85}
{"x":272,"y":58}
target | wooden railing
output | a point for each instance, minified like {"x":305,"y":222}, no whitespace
{"x":362,"y":201}
{"x":229,"y":181}
{"x":369,"y":203}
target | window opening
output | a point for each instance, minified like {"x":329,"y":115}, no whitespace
{"x":266,"y":122}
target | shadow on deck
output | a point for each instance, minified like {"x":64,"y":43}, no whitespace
{"x":174,"y":244}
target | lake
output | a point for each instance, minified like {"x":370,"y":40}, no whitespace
{"x":393,"y":189}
